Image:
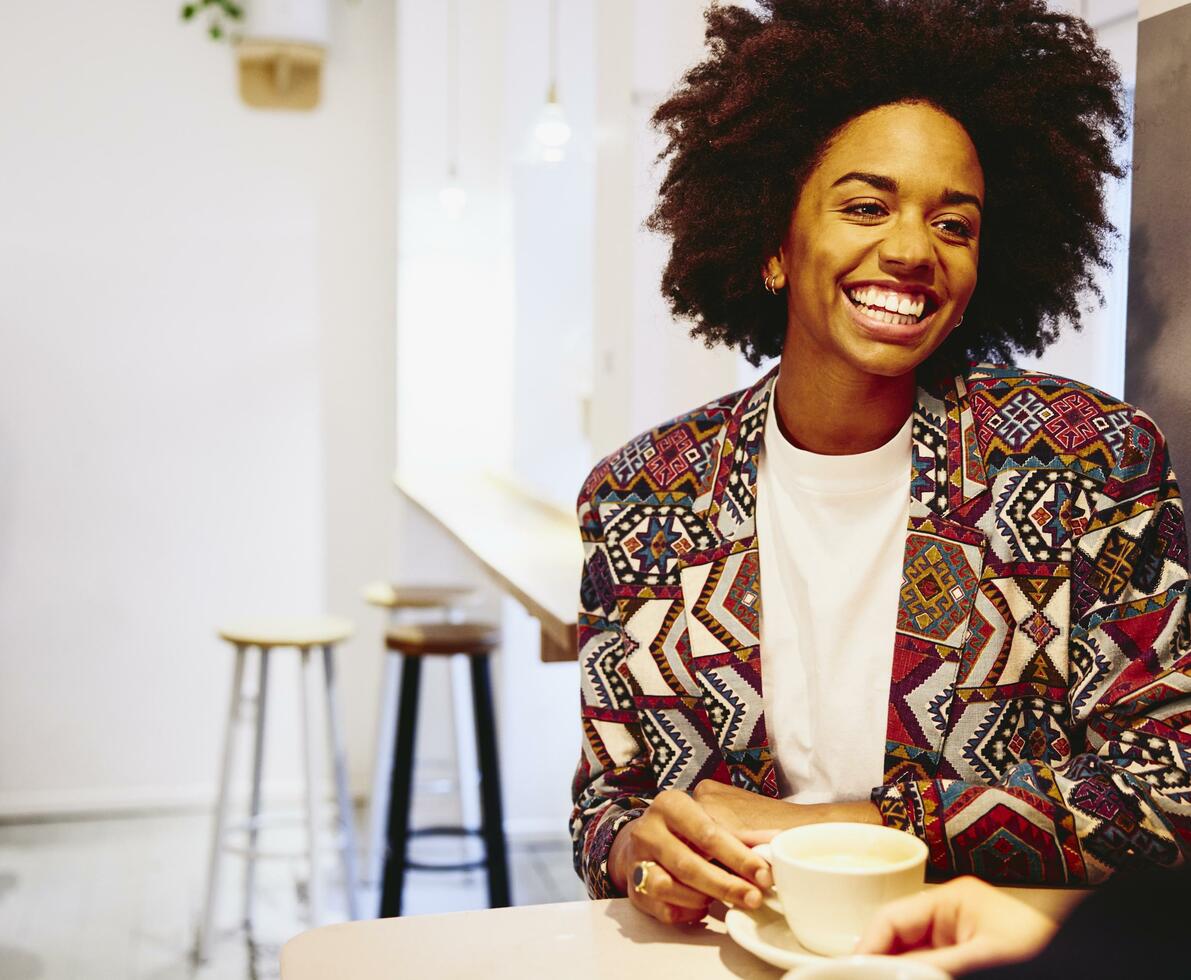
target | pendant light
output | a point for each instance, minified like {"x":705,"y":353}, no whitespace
{"x":552,"y":131}
{"x":452,"y":196}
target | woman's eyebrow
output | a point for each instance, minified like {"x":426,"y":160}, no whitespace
{"x":961,"y":197}
{"x":881,"y":183}
{"x":890,"y":186}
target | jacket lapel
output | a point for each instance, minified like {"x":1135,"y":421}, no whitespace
{"x":943,"y":562}
{"x":941,"y":570}
{"x":721,"y":588}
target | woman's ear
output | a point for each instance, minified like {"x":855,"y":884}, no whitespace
{"x":773,"y":274}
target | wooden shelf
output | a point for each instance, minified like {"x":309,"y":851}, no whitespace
{"x":280,"y":74}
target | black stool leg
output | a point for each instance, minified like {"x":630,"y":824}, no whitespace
{"x":493,"y":816}
{"x":401,"y":788}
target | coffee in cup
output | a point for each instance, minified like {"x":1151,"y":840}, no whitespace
{"x":830,"y":879}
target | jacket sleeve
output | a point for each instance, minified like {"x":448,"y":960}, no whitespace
{"x":1124,"y":797}
{"x":613,"y":782}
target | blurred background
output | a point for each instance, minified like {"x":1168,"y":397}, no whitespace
{"x":227,"y":326}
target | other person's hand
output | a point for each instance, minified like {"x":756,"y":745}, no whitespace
{"x":961,"y":926}
{"x":679,"y":839}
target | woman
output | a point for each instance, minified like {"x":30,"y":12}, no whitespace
{"x":974,"y":622}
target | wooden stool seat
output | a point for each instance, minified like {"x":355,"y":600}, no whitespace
{"x":300,"y":633}
{"x":437,"y":639}
{"x":414,"y":596}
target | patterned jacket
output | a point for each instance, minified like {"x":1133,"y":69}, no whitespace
{"x":1039,"y":724}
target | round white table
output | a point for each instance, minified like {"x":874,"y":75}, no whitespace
{"x":570,"y":939}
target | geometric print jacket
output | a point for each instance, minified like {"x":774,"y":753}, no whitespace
{"x":1039,"y":722}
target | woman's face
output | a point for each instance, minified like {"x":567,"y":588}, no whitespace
{"x":888,"y":221}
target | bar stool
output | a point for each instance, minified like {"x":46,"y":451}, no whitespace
{"x":414,"y":643}
{"x":440,"y":603}
{"x":303,"y":635}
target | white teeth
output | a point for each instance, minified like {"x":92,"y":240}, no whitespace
{"x":889,"y":306}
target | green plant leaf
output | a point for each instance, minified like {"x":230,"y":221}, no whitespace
{"x":188,"y":11}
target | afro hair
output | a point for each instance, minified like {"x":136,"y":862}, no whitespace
{"x":1040,"y":99}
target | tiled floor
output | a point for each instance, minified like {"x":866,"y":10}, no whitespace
{"x":109,"y":899}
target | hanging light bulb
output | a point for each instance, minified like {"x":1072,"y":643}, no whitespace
{"x":452,"y":196}
{"x":552,"y":131}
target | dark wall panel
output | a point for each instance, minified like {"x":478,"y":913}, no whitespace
{"x":1158,"y":345}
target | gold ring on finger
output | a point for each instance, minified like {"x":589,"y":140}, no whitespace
{"x":641,"y":876}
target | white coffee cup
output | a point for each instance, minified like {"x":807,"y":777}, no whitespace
{"x":830,"y":878}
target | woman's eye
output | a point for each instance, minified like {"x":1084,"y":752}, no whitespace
{"x":866,"y":209}
{"x":956,"y":228}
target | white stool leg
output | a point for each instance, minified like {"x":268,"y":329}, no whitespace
{"x":225,"y":777}
{"x":347,"y":820}
{"x":382,"y":769}
{"x":258,"y":758}
{"x":314,"y":910}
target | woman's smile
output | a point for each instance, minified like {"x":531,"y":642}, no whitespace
{"x":890,"y":312}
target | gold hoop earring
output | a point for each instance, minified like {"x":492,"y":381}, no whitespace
{"x":957,"y":323}
{"x":769,"y":283}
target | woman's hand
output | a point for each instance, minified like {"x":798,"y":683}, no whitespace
{"x":960,"y":926}
{"x":683,"y":838}
{"x":757,"y":818}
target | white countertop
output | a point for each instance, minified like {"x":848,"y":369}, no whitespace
{"x":586,"y":940}
{"x":532,"y":549}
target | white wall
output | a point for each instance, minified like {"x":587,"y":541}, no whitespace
{"x":1095,"y":354}
{"x":672,"y":373}
{"x":542,"y":291}
{"x":195,"y":390}
{"x":480,"y":377}
{"x":646,"y":368}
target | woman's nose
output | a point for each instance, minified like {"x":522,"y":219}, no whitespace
{"x":907,"y":246}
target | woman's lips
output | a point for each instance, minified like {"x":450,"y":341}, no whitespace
{"x":890,"y":333}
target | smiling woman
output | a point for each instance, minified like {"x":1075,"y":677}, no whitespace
{"x":974,"y":626}
{"x":887,"y":223}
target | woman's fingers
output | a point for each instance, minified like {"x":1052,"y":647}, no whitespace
{"x":963,"y":925}
{"x":693,"y":874}
{"x":683,"y":840}
{"x":962,"y":958}
{"x":668,"y":839}
{"x":751,"y":838}
{"x":676,"y":915}
{"x":905,"y":924}
{"x":692,"y":823}
{"x":661,"y":886}
{"x":668,"y":900}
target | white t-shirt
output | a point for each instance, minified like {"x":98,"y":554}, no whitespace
{"x":831,"y":533}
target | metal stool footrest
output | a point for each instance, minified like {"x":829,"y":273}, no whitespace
{"x":236,"y":835}
{"x":446,"y":832}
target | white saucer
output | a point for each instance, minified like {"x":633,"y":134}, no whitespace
{"x":765,"y":934}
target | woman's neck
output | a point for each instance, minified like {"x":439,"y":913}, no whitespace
{"x":837,"y":413}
